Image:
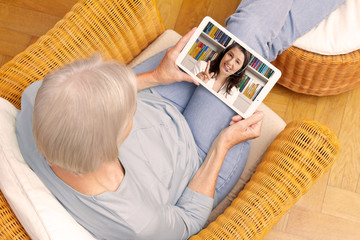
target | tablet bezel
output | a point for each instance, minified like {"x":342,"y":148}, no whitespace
{"x":263,"y":92}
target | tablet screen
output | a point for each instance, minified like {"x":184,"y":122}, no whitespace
{"x":227,"y":67}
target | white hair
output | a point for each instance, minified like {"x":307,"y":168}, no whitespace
{"x":80,"y":112}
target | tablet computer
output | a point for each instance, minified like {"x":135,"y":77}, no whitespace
{"x":227,"y":67}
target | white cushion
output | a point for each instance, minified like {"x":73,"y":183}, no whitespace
{"x":42,"y":216}
{"x":339,"y":33}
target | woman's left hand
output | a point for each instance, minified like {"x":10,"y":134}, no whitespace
{"x":167,"y":72}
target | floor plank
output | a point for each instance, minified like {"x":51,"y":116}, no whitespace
{"x":276,"y":235}
{"x":346,"y":171}
{"x":317,"y":226}
{"x":13,"y":42}
{"x":4,"y":59}
{"x":219,"y":11}
{"x":169,"y":11}
{"x":342,"y":203}
{"x":190,"y":15}
{"x":26,"y":21}
{"x":350,"y":141}
{"x":278,"y":100}
{"x":54,"y":7}
{"x":330,"y":111}
{"x":313,"y":200}
{"x":300,"y":107}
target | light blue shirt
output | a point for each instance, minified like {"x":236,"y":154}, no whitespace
{"x":153,"y":202}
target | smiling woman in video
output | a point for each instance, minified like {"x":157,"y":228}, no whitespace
{"x":225,"y":72}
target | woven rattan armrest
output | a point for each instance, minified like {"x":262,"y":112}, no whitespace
{"x":299,"y":156}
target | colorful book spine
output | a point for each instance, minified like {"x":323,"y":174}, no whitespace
{"x":197,"y":49}
{"x":244,"y":82}
{"x":260,"y":67}
{"x":216,"y":34}
{"x":200,"y":51}
{"x":249,"y":88}
{"x":208,"y":27}
{"x":203,"y":50}
{"x":193,"y":47}
{"x":258,"y":90}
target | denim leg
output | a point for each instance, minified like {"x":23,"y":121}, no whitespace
{"x":270,"y":27}
{"x":207,"y":116}
{"x":303,"y":16}
{"x":178,"y":93}
{"x":258,"y":22}
{"x":150,"y":63}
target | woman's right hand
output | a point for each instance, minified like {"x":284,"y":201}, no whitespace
{"x":240,"y":130}
{"x":205,"y":76}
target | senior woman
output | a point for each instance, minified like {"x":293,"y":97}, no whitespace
{"x":145,"y":165}
{"x":124,"y":166}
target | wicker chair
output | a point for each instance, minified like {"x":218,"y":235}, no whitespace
{"x":312,"y":67}
{"x":298,"y":157}
{"x":316,"y":74}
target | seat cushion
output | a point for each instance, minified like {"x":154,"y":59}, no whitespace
{"x":339,"y":33}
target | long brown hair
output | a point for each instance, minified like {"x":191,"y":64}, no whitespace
{"x":234,"y":79}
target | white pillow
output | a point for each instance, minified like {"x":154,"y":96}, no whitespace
{"x":339,"y":33}
{"x":42,"y":216}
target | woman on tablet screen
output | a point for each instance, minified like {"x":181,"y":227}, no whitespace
{"x":225,"y":72}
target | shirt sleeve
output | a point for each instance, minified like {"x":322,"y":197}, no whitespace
{"x":181,"y":221}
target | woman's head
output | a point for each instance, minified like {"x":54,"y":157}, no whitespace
{"x":231,"y":63}
{"x":81,"y":111}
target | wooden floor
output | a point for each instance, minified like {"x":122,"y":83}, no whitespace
{"x":331,"y":209}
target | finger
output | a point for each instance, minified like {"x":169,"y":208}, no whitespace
{"x":188,"y":78}
{"x":235,"y":119}
{"x":211,"y":74}
{"x":182,"y":42}
{"x":207,"y":67}
{"x":207,"y":76}
{"x":255,"y":118}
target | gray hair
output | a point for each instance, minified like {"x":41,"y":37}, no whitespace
{"x":81,"y":111}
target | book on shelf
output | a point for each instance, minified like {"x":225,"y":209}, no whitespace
{"x":258,"y":90}
{"x":249,"y":88}
{"x":216,"y":34}
{"x":260,"y":67}
{"x":243,"y":83}
{"x":201,"y":52}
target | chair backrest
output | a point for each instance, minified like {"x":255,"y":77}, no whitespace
{"x":119,"y":29}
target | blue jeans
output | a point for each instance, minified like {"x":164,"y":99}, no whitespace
{"x":269,"y":27}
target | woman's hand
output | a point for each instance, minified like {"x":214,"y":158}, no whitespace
{"x":205,"y":76}
{"x":167,"y":72}
{"x":240,"y":130}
